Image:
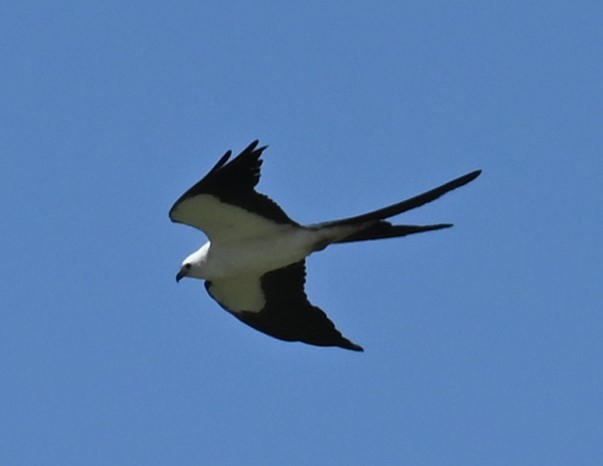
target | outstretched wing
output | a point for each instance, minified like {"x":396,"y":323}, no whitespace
{"x":276,"y":304}
{"x":224,"y":203}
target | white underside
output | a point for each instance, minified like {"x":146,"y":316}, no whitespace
{"x":243,"y":247}
{"x":243,"y":293}
{"x":235,"y":268}
{"x":252,"y":256}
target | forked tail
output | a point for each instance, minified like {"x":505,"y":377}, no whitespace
{"x":376,"y":227}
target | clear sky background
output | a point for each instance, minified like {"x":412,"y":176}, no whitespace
{"x":483,"y":343}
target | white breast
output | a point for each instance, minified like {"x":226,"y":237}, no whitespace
{"x":255,"y":256}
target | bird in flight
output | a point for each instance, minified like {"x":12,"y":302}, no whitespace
{"x":254,"y":262}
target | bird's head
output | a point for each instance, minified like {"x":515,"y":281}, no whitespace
{"x":184,"y":270}
{"x":194,"y":265}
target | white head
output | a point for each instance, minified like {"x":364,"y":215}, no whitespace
{"x":192,"y":266}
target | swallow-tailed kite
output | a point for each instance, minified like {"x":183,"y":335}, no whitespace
{"x":254,"y":262}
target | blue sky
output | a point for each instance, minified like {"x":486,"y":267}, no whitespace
{"x":483,"y":343}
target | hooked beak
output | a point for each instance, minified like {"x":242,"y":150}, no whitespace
{"x":180,"y":275}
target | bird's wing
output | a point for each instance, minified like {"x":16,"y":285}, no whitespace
{"x":276,"y":304}
{"x":225,"y":204}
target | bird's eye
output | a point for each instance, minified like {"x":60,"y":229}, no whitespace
{"x":187,"y":266}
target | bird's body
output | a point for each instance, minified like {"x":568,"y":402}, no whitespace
{"x":253,"y":254}
{"x":254,"y":261}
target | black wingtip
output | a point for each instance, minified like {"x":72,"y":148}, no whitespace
{"x":252,"y":150}
{"x":252,"y":146}
{"x":221,"y":162}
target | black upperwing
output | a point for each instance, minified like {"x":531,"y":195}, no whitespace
{"x":228,"y":183}
{"x":286,"y":313}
